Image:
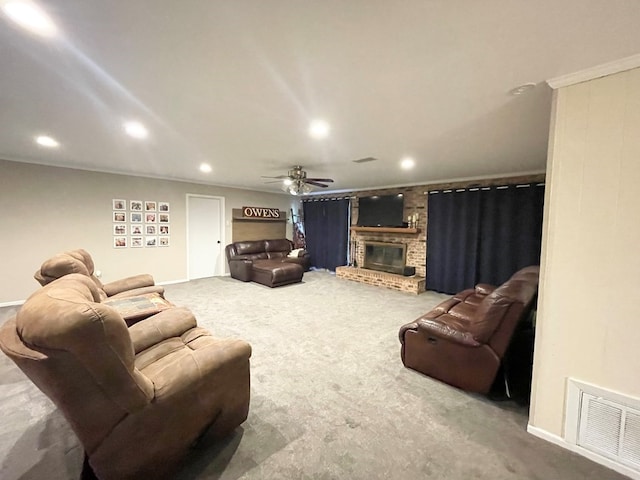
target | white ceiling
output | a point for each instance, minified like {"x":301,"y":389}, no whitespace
{"x":236,"y":83}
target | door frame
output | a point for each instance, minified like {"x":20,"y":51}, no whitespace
{"x":223,"y":233}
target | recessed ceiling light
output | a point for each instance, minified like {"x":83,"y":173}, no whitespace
{"x":30,"y":17}
{"x":136,"y":130}
{"x":46,"y":141}
{"x":407,"y":163}
{"x":319,"y":129}
{"x":522,"y":89}
{"x":205,"y":168}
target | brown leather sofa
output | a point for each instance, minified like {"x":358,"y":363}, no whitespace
{"x":463,"y":340}
{"x":80,"y":261}
{"x":266,"y":262}
{"x":138,"y":397}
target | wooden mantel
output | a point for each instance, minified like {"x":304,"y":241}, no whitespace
{"x":404,"y":230}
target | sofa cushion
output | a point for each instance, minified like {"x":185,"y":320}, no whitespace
{"x":278,"y":245}
{"x":249,"y":247}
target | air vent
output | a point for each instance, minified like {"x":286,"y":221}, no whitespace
{"x":605,"y":423}
{"x":365,"y":160}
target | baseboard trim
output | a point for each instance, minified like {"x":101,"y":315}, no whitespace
{"x":556,"y":440}
{"x":11,"y":304}
{"x":172,"y":282}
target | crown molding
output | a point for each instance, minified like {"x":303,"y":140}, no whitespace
{"x":598,"y":71}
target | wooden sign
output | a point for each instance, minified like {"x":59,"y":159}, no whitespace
{"x":260,"y":212}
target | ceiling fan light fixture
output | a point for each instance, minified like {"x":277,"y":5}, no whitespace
{"x":287,"y":181}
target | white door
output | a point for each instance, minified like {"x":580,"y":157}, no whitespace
{"x":205,"y":233}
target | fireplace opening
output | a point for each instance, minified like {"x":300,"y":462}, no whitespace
{"x":385,"y":257}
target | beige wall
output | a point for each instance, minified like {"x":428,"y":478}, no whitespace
{"x":46,"y":210}
{"x":588,"y":323}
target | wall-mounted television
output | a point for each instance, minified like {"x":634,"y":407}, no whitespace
{"x":381,"y":211}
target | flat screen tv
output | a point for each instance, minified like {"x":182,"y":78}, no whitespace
{"x":381,"y":211}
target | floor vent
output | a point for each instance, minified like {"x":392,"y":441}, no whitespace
{"x":604,"y":422}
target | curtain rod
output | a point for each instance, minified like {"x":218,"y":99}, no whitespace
{"x":325,"y":199}
{"x":475,"y":189}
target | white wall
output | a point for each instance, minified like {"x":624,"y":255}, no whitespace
{"x":47,"y":210}
{"x":588,"y":320}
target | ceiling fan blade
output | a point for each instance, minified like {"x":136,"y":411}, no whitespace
{"x":282,"y":177}
{"x":326,"y":180}
{"x":311,"y":182}
{"x":273,"y":181}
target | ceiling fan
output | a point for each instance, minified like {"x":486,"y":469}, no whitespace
{"x":296,"y":181}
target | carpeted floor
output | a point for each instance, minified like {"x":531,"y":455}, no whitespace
{"x":330,"y":398}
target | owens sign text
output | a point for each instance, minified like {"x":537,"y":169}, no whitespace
{"x":258,"y":212}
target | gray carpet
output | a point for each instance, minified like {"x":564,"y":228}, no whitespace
{"x":330,"y":398}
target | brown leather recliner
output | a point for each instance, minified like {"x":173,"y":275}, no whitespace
{"x":80,"y":261}
{"x":463,"y":340}
{"x":138,"y":397}
{"x":266,"y":262}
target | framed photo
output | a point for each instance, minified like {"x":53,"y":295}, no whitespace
{"x":136,"y":242}
{"x":150,"y":218}
{"x":163,"y":241}
{"x":119,"y":229}
{"x":163,"y":206}
{"x":164,"y":229}
{"x":119,"y":204}
{"x":150,"y":241}
{"x":149,"y":206}
{"x":119,"y":242}
{"x":136,"y":229}
{"x":150,"y":230}
{"x":119,"y":217}
{"x":136,"y":217}
{"x":163,"y":217}
{"x":135,"y":205}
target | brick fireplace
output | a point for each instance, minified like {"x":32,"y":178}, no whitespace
{"x":413,"y":241}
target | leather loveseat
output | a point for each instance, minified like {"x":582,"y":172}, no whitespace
{"x":463,"y":340}
{"x":80,"y":261}
{"x":266,"y":262}
{"x":138,"y":397}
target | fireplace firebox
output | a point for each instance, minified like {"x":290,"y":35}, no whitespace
{"x":385,"y":257}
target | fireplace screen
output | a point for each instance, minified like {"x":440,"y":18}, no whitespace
{"x":386,"y":257}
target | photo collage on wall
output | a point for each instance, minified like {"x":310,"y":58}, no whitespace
{"x":141,"y":224}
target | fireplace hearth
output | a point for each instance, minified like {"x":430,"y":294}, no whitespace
{"x":385,"y":256}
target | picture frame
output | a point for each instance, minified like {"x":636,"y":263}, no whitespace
{"x":137,"y":242}
{"x":150,"y":218}
{"x":150,"y":241}
{"x":136,"y":230}
{"x":163,"y":229}
{"x":163,"y":218}
{"x":119,"y":217}
{"x":119,"y":229}
{"x":119,"y":242}
{"x":163,"y":206}
{"x":135,"y":205}
{"x":135,"y":217}
{"x":150,"y":230}
{"x":119,"y":204}
{"x":150,"y":206}
{"x":163,"y":241}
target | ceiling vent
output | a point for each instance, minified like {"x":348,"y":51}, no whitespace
{"x":365,"y":160}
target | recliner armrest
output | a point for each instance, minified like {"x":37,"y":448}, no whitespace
{"x":436,"y":329}
{"x":240,"y":268}
{"x":129,"y":283}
